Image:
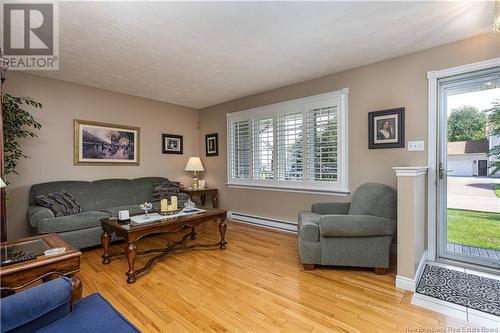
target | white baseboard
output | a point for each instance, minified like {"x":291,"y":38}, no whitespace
{"x":420,"y":268}
{"x":409,"y":284}
{"x":405,"y":283}
{"x":265,"y":222}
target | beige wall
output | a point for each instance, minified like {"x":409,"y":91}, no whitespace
{"x":388,"y":84}
{"x":51,"y":154}
{"x":392,"y":83}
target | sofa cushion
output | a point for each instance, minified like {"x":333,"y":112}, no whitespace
{"x":61,"y":203}
{"x":85,"y":238}
{"x":356,"y":226}
{"x":83,"y":192}
{"x":143,"y":188}
{"x":114,"y":193}
{"x":71,"y":222}
{"x":92,"y":314}
{"x":133,"y":209}
{"x":164,"y":190}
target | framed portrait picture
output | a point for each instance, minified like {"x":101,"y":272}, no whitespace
{"x":172,"y":144}
{"x":105,"y":144}
{"x":386,"y":129}
{"x":212,"y":144}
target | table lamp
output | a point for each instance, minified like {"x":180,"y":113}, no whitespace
{"x":194,"y":164}
{"x":2,"y":184}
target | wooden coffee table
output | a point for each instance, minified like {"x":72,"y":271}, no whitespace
{"x":18,"y":276}
{"x":132,"y":233}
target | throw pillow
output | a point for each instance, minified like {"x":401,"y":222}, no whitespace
{"x":61,"y":203}
{"x":164,"y":190}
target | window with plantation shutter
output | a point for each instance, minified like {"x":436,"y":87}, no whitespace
{"x":298,"y":145}
{"x":263,"y":149}
{"x":322,"y":147}
{"x":291,"y":146}
{"x":240,"y":148}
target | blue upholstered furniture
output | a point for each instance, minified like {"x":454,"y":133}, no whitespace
{"x":358,"y":233}
{"x":48,"y":308}
{"x":99,"y":199}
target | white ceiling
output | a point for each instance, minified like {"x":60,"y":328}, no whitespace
{"x":203,"y":53}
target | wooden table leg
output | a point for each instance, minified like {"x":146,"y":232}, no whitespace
{"x":215,"y":201}
{"x":193,"y":233}
{"x":131,"y":255}
{"x":76,"y":286}
{"x":203,"y":199}
{"x":106,"y":240}
{"x":222,"y":230}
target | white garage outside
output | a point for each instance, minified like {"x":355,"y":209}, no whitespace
{"x":465,"y":165}
{"x":469,"y":158}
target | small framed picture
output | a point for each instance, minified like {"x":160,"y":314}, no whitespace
{"x":386,"y":129}
{"x":172,"y":144}
{"x":212,"y":144}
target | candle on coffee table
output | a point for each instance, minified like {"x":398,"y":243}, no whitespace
{"x":164,"y":205}
{"x":174,"y":202}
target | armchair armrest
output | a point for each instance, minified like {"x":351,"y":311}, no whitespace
{"x":355,"y":226}
{"x":37,"y":214}
{"x":36,"y":307}
{"x":308,"y":228}
{"x":324,"y":208}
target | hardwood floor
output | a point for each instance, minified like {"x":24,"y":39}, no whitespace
{"x":256,"y":285}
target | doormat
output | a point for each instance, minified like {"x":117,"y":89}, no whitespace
{"x":472,"y":291}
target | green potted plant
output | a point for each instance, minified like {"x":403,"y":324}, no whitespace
{"x":17,"y":125}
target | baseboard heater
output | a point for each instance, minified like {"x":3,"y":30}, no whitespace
{"x":263,"y":222}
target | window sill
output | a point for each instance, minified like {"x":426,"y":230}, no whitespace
{"x":321,"y":191}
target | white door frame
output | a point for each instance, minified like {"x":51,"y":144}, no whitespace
{"x":432,"y":158}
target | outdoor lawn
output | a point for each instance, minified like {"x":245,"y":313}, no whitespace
{"x":479,"y":229}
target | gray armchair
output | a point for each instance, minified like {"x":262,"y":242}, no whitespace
{"x":350,"y":234}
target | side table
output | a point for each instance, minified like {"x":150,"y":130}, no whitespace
{"x":18,"y":276}
{"x":203,"y":193}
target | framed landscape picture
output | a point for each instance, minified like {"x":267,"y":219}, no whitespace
{"x":105,"y":144}
{"x":212,"y":144}
{"x":386,"y":129}
{"x":172,"y":144}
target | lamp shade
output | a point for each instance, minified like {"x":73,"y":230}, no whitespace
{"x":194,"y":164}
{"x":2,"y":183}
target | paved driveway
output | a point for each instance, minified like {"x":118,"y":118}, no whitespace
{"x":473,"y":193}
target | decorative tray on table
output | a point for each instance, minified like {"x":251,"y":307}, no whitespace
{"x":170,"y":212}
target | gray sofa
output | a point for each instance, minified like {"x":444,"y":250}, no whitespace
{"x":98,"y":199}
{"x":350,"y":234}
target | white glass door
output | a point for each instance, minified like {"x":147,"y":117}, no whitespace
{"x":468,"y":179}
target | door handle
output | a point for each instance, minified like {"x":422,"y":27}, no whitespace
{"x":442,"y":171}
